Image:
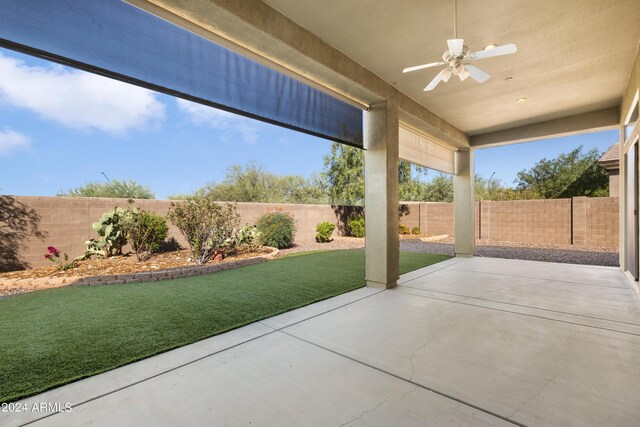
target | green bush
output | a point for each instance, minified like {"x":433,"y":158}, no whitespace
{"x":416,"y":230}
{"x":206,"y":225}
{"x":145,"y":231}
{"x":403,"y":229}
{"x":356,"y":227}
{"x":324,"y":231}
{"x":111,"y":234}
{"x":276,"y":229}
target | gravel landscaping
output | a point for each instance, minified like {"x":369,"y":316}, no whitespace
{"x":510,"y":250}
{"x":530,"y":253}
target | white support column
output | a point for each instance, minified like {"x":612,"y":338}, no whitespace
{"x":464,"y":204}
{"x":382,"y":247}
{"x":622,"y":185}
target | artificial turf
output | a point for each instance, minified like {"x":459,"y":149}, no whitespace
{"x":52,"y":337}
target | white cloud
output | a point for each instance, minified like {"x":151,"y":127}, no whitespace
{"x":231,"y":125}
{"x":11,"y":140}
{"x":77,"y":99}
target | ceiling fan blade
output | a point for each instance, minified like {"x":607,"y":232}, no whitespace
{"x":477,"y":74}
{"x":421,"y":67}
{"x":432,"y":85}
{"x":446,"y":75}
{"x":455,"y":46}
{"x":506,"y":49}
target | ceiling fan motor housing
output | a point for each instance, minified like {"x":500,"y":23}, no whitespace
{"x":448,"y":57}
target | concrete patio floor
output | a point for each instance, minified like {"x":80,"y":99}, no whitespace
{"x":469,"y":341}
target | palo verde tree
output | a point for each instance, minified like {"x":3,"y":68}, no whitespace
{"x":251,"y":183}
{"x":116,"y":189}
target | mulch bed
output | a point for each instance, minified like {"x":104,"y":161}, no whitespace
{"x":127,"y":264}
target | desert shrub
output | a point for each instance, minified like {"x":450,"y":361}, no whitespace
{"x":205,"y":224}
{"x":324,"y":231}
{"x":276,"y":229}
{"x":111,"y":234}
{"x":145,"y":231}
{"x":416,"y":230}
{"x":356,"y":227}
{"x":403,"y":229}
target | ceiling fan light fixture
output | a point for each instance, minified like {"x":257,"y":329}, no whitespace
{"x":456,"y":58}
{"x":457,"y":68}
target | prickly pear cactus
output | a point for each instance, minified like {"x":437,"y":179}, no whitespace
{"x":111,"y":234}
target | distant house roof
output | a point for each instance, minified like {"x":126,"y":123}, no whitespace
{"x":611,"y":159}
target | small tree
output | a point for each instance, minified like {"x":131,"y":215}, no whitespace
{"x":205,"y":224}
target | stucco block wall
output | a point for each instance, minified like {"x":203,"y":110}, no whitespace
{"x":67,"y":221}
{"x":531,"y":221}
{"x":437,"y":218}
{"x":602,"y":221}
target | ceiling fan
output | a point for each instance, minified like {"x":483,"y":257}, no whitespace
{"x":457,"y":56}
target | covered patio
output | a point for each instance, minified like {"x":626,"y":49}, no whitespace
{"x":469,"y":341}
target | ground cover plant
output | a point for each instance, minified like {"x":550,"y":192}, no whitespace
{"x":56,"y":336}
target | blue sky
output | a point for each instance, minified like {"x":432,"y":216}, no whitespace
{"x":60,"y":128}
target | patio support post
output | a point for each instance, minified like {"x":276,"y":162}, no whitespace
{"x":464,"y":205}
{"x":382,"y":248}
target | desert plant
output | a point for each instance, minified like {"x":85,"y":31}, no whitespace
{"x":403,"y":229}
{"x":247,"y":235}
{"x":205,"y":224}
{"x":60,"y":260}
{"x":112,"y":237}
{"x":145,"y":231}
{"x":356,"y":227}
{"x":276,"y":229}
{"x":324,"y":231}
{"x":116,"y":189}
{"x":416,"y":230}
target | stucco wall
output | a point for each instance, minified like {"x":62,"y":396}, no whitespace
{"x":67,"y":221}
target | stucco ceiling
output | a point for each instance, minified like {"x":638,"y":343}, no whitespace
{"x":574,"y":56}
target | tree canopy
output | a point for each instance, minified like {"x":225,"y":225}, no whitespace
{"x":341,"y":182}
{"x":116,"y":189}
{"x":575,"y":173}
{"x":251,"y":183}
{"x":343,"y":177}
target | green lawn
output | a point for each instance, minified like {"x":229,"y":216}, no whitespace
{"x":56,"y":336}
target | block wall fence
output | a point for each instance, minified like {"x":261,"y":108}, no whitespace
{"x":580,"y":221}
